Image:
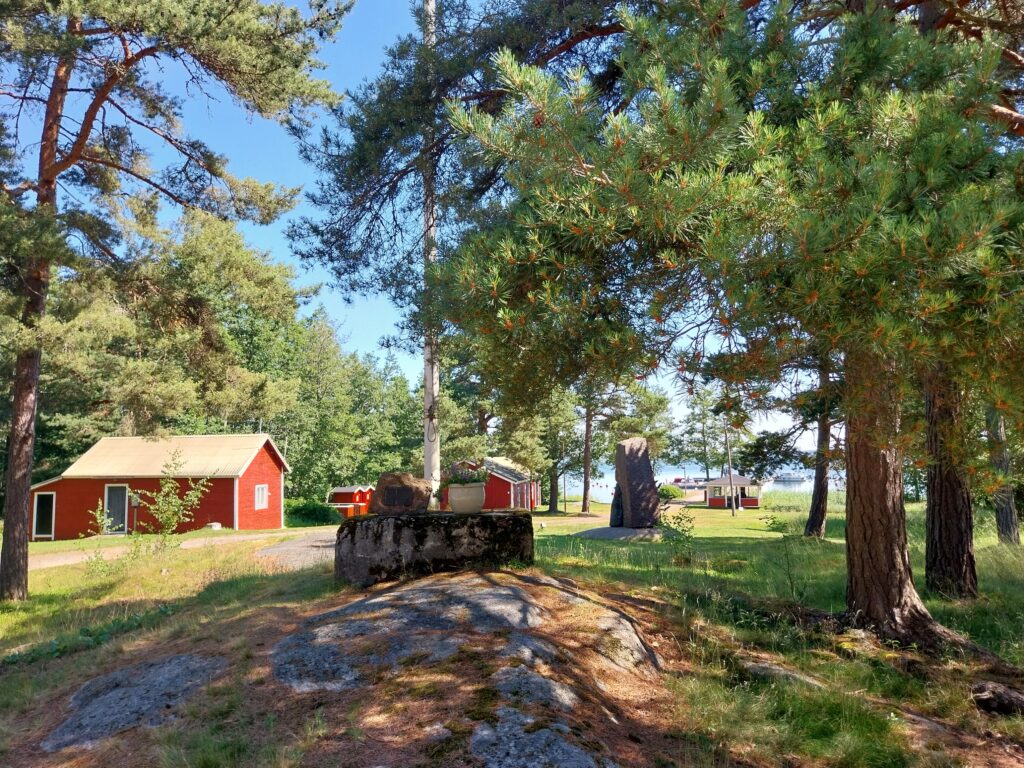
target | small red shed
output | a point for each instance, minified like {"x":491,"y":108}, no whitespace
{"x":509,"y":485}
{"x":351,"y":500}
{"x":245,"y":492}
{"x":747,"y":492}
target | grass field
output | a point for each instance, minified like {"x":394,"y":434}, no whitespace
{"x":724,"y":593}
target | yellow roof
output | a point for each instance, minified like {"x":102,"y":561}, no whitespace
{"x":199,"y":455}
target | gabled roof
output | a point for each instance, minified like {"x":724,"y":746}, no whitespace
{"x":352,"y":489}
{"x":200,"y":456}
{"x":737,"y":480}
{"x":507,"y":469}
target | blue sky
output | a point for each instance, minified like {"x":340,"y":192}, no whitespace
{"x":263,"y":150}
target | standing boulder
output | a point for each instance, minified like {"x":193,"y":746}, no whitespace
{"x":617,"y":518}
{"x":634,"y":477}
{"x":400,"y":493}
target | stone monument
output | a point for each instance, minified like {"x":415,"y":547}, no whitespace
{"x":400,"y":493}
{"x":635,"y":486}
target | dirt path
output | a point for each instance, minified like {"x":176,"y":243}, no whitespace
{"x":302,"y":552}
{"x":43,"y":560}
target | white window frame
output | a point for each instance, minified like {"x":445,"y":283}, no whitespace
{"x":266,"y":497}
{"x":53,"y":515}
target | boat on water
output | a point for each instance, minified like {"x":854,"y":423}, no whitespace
{"x":790,"y":477}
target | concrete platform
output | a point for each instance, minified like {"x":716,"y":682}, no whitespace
{"x":622,"y":534}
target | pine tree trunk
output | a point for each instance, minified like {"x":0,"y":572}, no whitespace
{"x":880,"y":589}
{"x":553,"y":491}
{"x":588,"y":457}
{"x":818,"y":515}
{"x":1007,"y":522}
{"x":431,"y":368}
{"x":949,"y":521}
{"x":21,"y":444}
{"x":35,"y":285}
{"x":819,"y":495}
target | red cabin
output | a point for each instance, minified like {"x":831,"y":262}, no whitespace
{"x":245,"y":475}
{"x":351,"y":500}
{"x":509,"y":485}
{"x":747,"y":492}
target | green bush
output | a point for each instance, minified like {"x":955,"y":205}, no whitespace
{"x":300,"y":513}
{"x":668,"y":492}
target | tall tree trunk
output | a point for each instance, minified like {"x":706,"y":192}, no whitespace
{"x":1007,"y":522}
{"x":25,"y":389}
{"x":431,"y":369}
{"x":588,"y":456}
{"x":21,"y":443}
{"x":880,"y":589}
{"x":553,"y":491}
{"x":818,"y":515}
{"x":949,"y":521}
{"x":733,"y":501}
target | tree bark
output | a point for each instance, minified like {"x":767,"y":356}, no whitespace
{"x":431,"y":368}
{"x":1007,"y":522}
{"x":553,"y":491}
{"x":21,"y":445}
{"x":949,"y":523}
{"x":25,"y":387}
{"x":818,"y":515}
{"x":880,"y":589}
{"x":588,"y":456}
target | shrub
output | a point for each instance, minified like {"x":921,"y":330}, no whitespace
{"x":299,"y":513}
{"x":668,"y":492}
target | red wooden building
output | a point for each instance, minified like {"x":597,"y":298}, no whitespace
{"x":508,"y":486}
{"x":351,"y":500}
{"x":720,"y":492}
{"x":245,"y":492}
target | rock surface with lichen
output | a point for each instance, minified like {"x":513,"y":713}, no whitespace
{"x":380,"y":548}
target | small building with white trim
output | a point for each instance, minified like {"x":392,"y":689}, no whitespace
{"x":733,"y":490}
{"x":245,"y":475}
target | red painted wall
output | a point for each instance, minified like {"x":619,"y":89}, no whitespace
{"x":265,"y":469}
{"x":497,"y":493}
{"x":77,"y":498}
{"x":721,"y":502}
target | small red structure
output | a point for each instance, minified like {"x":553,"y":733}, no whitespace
{"x":245,"y":491}
{"x":747,"y":492}
{"x":508,"y":486}
{"x":351,"y":500}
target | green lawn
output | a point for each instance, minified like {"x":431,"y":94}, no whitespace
{"x":730,"y":586}
{"x":725,"y":594}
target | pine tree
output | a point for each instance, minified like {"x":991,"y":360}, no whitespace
{"x":850,"y":193}
{"x":91,"y":73}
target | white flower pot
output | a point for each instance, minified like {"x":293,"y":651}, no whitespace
{"x":466,"y":498}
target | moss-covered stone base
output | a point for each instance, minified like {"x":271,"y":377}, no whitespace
{"x":371,"y":548}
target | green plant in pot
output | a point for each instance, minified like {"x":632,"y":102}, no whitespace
{"x":466,"y":488}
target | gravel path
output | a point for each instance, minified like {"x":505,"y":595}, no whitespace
{"x":302,"y":552}
{"x":42,"y":560}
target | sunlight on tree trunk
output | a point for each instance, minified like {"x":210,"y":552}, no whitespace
{"x":949,"y":522}
{"x":880,"y":587}
{"x":431,"y":369}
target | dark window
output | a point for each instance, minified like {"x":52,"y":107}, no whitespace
{"x":44,"y":514}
